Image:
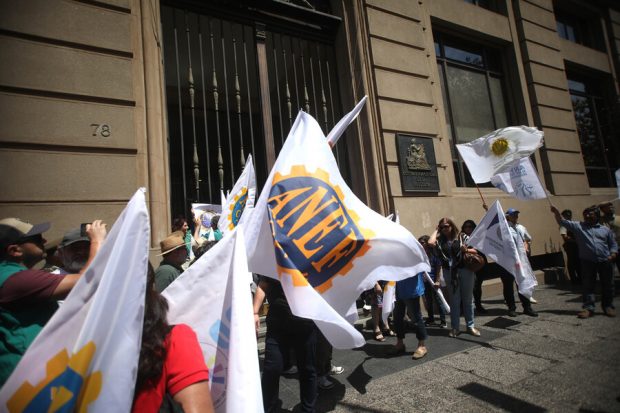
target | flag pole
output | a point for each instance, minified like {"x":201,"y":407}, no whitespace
{"x":480,"y":193}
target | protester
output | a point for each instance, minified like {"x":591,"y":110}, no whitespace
{"x":28,"y":297}
{"x":217,"y":234}
{"x":512,"y":215}
{"x":171,"y":368}
{"x":73,"y":252}
{"x":430,"y":295}
{"x":459,"y":281}
{"x":324,"y":366}
{"x":285,"y":331}
{"x":175,"y":254}
{"x":597,"y":251}
{"x":467,"y":228}
{"x":408,"y":293}
{"x":508,"y":279}
{"x":180,"y":224}
{"x":608,"y":218}
{"x":376,"y":308}
{"x":573,"y":267}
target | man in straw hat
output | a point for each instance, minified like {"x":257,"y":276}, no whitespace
{"x":175,"y":253}
{"x":28,"y":297}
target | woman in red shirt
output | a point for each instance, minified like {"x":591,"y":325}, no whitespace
{"x":171,"y":367}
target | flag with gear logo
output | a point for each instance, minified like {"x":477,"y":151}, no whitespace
{"x":86,"y":356}
{"x":240,"y":198}
{"x":311,"y":232}
{"x":499,"y":151}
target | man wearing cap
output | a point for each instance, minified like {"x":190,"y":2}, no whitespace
{"x":174,"y":252}
{"x":519,"y":237}
{"x":597,"y":251}
{"x":73,"y":252}
{"x":28,"y":296}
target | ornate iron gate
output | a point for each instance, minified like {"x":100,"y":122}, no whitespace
{"x":216,"y":100}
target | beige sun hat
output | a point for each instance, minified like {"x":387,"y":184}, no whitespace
{"x":172,"y":242}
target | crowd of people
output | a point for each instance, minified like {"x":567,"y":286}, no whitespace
{"x":171,"y":367}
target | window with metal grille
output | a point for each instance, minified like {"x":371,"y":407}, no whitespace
{"x":472,"y":85}
{"x":597,"y":126}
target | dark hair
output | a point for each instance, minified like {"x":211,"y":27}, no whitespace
{"x":468,"y":222}
{"x":154,"y":332}
{"x":592,"y":208}
{"x":200,"y":251}
{"x":567,"y":212}
{"x":177,"y":223}
{"x":214,"y":221}
{"x":453,"y":232}
{"x":423,"y":239}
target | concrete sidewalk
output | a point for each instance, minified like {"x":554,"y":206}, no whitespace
{"x":555,"y":362}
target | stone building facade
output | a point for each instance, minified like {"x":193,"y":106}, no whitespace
{"x":99,"y":97}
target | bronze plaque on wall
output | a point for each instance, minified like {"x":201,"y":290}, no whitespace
{"x":417,"y":164}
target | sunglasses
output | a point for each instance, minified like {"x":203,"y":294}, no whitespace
{"x":446,"y":226}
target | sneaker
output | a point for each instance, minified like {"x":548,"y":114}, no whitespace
{"x":429,"y":322}
{"x":324,"y":383}
{"x":443,"y":324}
{"x":610,"y":312}
{"x":512,"y":313}
{"x":585,"y":313}
{"x":533,"y":301}
{"x":291,"y":370}
{"x":529,"y":311}
{"x":336,"y":370}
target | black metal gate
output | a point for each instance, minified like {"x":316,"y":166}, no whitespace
{"x":215,"y":105}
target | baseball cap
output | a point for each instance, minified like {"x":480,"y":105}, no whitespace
{"x":14,"y":230}
{"x":71,"y":237}
{"x":511,"y":211}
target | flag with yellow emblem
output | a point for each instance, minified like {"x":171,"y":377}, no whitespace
{"x":498,"y":151}
{"x":86,"y":356}
{"x":311,"y":232}
{"x":241,"y":196}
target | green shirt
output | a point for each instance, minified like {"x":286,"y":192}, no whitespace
{"x":19,"y":323}
{"x":165,"y":274}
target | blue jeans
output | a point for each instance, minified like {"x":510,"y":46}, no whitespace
{"x":399,"y":315}
{"x":464,"y":292}
{"x":605,"y":271}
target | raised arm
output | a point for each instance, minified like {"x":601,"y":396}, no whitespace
{"x":556,"y":214}
{"x":96,"y":234}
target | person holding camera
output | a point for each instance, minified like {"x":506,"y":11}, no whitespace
{"x":28,"y":297}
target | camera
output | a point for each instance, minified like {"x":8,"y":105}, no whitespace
{"x":83,"y":229}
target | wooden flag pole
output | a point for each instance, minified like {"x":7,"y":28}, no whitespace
{"x":484,"y":203}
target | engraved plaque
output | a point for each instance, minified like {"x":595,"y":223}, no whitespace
{"x":417,"y":164}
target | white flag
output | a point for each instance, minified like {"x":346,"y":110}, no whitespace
{"x":494,"y":238}
{"x":213,"y":297}
{"x":241,"y":196}
{"x":389,"y":298}
{"x":341,"y":126}
{"x":521,"y":181}
{"x":222,"y":199}
{"x":499,"y":151}
{"x":309,"y":230}
{"x":86,"y":356}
